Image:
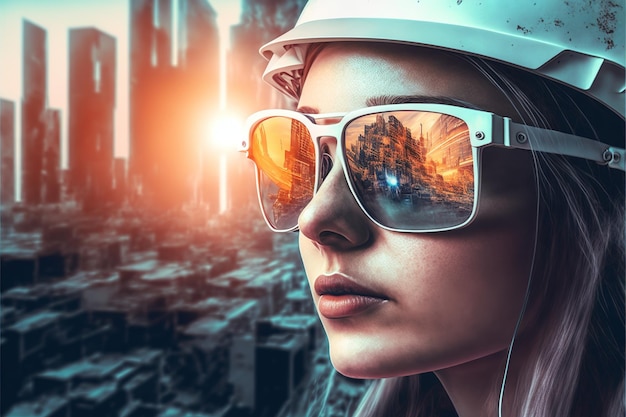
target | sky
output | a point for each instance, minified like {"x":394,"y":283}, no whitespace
{"x":56,"y":17}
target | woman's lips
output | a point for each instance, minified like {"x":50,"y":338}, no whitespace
{"x":342,"y":306}
{"x":341,"y":297}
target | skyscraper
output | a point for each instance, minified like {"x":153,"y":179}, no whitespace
{"x":119,"y":180}
{"x":92,"y":63}
{"x":7,"y":152}
{"x":34,"y":91}
{"x":173,"y":91}
{"x":51,"y":175}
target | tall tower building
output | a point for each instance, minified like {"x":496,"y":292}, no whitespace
{"x":7,"y":152}
{"x":34,"y":91}
{"x":173,"y":91}
{"x":91,"y":93}
{"x":51,"y":173}
{"x":119,"y":180}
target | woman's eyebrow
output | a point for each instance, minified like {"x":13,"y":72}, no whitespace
{"x":403,"y":99}
{"x":307,"y":110}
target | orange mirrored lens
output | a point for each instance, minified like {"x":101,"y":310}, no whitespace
{"x":284,"y":153}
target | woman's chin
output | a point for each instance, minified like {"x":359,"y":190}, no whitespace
{"x":356,"y":359}
{"x":355,"y":369}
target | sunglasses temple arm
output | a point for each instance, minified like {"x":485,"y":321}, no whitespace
{"x":550,"y":141}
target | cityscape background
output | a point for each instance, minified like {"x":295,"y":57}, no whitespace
{"x":137,"y":276}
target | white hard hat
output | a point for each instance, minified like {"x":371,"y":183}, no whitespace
{"x":578,"y":42}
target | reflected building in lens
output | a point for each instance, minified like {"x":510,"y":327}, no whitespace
{"x":174,"y":80}
{"x":386,"y":149}
{"x":450,"y":157}
{"x":300,"y":165}
{"x":300,"y":162}
{"x":387,"y":158}
{"x":449,"y":144}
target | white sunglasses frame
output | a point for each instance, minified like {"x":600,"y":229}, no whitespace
{"x":485,"y":129}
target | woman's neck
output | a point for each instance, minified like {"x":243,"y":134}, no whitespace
{"x":474,"y":387}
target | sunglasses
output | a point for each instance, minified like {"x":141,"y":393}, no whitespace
{"x":410,"y":167}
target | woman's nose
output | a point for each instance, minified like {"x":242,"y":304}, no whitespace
{"x":333,"y":217}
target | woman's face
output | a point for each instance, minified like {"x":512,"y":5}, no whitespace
{"x":439,"y":299}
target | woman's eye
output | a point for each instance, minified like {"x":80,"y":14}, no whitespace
{"x":326,"y":164}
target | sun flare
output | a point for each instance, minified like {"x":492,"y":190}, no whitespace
{"x":225,"y":131}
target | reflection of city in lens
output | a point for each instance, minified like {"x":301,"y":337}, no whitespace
{"x":403,"y":180}
{"x":401,"y":177}
{"x":300,"y":162}
{"x":287,"y":163}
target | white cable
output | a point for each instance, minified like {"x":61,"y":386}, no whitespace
{"x":526,"y":296}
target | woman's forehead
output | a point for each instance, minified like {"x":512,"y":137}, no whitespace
{"x":347,"y":75}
